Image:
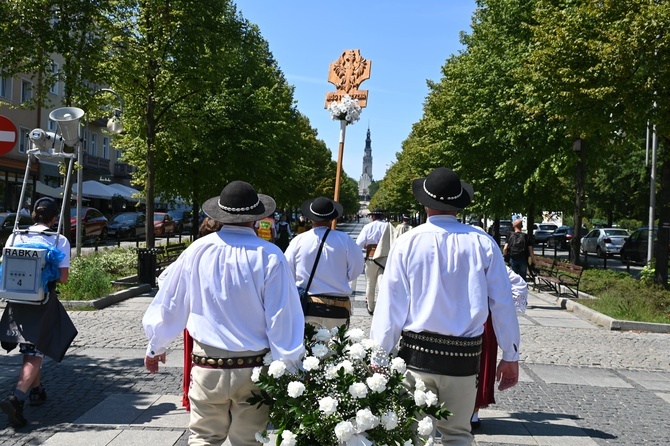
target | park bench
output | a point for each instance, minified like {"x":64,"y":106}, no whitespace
{"x":558,"y":277}
{"x":166,"y":254}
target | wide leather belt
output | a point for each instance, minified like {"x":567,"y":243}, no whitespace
{"x":441,"y":354}
{"x":228,"y":363}
{"x":370,"y":251}
{"x":333,"y":307}
{"x":343,"y":302}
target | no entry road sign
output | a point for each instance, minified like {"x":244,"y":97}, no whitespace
{"x":8,"y":135}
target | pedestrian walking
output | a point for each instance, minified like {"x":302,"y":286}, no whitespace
{"x":235,"y":294}
{"x":441,"y":279}
{"x":326,"y":260}
{"x":403,"y":227}
{"x":368,"y":239}
{"x":519,"y":248}
{"x":38,"y":330}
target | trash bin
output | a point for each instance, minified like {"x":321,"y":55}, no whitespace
{"x":146,"y":266}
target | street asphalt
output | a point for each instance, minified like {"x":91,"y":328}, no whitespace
{"x":581,"y":384}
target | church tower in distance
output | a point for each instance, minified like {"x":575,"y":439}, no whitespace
{"x":366,"y":176}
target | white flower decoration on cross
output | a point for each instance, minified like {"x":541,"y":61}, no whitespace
{"x":347,"y":110}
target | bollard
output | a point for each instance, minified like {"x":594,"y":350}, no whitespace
{"x":146,"y":266}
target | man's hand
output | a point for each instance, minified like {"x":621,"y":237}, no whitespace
{"x":507,"y":374}
{"x":152,"y":363}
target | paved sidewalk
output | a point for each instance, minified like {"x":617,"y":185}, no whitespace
{"x":580,"y":385}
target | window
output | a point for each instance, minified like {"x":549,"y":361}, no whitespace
{"x":54,"y":71}
{"x":105,"y":147}
{"x":118,"y":154}
{"x":26,"y":90}
{"x":94,"y":144}
{"x":23,"y":140}
{"x":6,"y":87}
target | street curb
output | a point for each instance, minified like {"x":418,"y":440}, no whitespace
{"x":108,"y":300}
{"x":607,"y":321}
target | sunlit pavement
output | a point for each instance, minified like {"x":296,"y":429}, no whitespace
{"x":580,"y":384}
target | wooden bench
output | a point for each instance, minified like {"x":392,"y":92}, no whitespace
{"x":166,"y":254}
{"x":557,"y":276}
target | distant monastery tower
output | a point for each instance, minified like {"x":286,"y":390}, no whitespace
{"x":366,"y":176}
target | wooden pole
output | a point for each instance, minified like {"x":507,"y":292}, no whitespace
{"x":340,"y":154}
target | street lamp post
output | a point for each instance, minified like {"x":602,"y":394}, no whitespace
{"x":114,"y":126}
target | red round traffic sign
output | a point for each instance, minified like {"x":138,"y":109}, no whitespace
{"x":8,"y":135}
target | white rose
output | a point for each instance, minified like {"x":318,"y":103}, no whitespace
{"x":355,"y":334}
{"x":359,"y":440}
{"x":310,"y":363}
{"x":323,"y":335}
{"x":398,"y":365}
{"x":390,"y":420}
{"x":319,"y":350}
{"x":365,"y":420}
{"x":377,"y":382}
{"x":267,"y":359}
{"x":347,"y":365}
{"x":425,"y":426}
{"x":429,"y":442}
{"x":295,"y":389}
{"x":344,"y":430}
{"x":356,"y":351}
{"x":358,"y":390}
{"x":420,"y":385}
{"x":431,"y":399}
{"x":328,"y":405}
{"x":277,"y":369}
{"x":369,"y":344}
{"x":408,"y":443}
{"x":288,"y":438}
{"x":419,"y":397}
{"x":331,"y":373}
{"x":256,"y":374}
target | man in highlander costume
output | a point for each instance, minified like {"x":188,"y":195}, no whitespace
{"x":441,"y":280}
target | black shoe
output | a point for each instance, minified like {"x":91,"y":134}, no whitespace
{"x":474,"y":425}
{"x":370,"y":312}
{"x":14,"y":410}
{"x":37,"y":396}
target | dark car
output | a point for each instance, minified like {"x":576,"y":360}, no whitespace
{"x":635,"y":246}
{"x":505,"y":229}
{"x":543,"y":231}
{"x":93,"y":223}
{"x":563,"y":235}
{"x":128,"y":225}
{"x":182,"y":219}
{"x":7,"y":221}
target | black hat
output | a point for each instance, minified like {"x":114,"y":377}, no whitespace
{"x":239,"y":203}
{"x":46,"y":207}
{"x":443,"y":190}
{"x":377,"y":211}
{"x":321,"y":209}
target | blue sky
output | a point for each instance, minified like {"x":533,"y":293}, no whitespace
{"x":407,"y":41}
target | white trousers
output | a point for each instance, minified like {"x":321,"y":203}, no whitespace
{"x":373,"y":275}
{"x":458,"y":394}
{"x":219,"y":407}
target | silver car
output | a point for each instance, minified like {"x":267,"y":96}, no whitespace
{"x":604,"y":241}
{"x":543,"y":231}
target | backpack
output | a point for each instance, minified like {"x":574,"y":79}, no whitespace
{"x":517,"y":245}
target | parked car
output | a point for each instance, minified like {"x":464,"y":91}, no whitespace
{"x":7,"y":221}
{"x":604,"y":241}
{"x":543,"y":231}
{"x":128,"y":225}
{"x":182,"y":219}
{"x":636,"y":245}
{"x":163,"y":223}
{"x":505,"y":229}
{"x":94,"y":224}
{"x":562,"y":236}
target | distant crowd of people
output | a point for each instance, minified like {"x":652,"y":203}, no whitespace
{"x":434,"y":291}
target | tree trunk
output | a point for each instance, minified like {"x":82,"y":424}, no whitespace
{"x":663,"y":204}
{"x":580,"y":180}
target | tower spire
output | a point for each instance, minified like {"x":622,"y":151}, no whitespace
{"x":366,"y":175}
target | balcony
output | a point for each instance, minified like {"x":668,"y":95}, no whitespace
{"x":123,"y":170}
{"x":96,"y":163}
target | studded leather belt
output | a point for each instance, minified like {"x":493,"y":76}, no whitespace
{"x":228,"y":363}
{"x":440,"y":354}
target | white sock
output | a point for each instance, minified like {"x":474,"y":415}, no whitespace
{"x":475,"y":417}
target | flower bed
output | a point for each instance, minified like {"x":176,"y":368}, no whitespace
{"x":338,"y":397}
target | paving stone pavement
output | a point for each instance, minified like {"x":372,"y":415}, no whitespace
{"x":580,"y":384}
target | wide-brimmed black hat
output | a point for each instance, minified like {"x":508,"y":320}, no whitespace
{"x":377,"y":211}
{"x":321,"y":209}
{"x":239,"y":203}
{"x":443,"y":190}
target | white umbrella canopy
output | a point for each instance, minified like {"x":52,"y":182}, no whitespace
{"x":94,"y":189}
{"x":126,"y":192}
